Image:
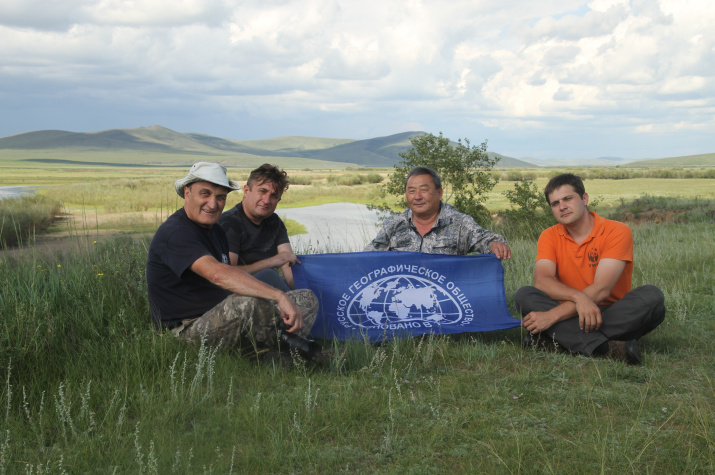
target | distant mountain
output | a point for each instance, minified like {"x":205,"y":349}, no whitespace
{"x":159,"y":145}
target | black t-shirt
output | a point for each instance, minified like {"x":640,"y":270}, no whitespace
{"x":253,"y":242}
{"x":175,"y":292}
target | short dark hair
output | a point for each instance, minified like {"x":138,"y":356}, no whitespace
{"x":564,"y":179}
{"x":272,"y":173}
{"x":425,"y":171}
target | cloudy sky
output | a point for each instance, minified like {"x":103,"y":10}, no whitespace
{"x":544,"y":79}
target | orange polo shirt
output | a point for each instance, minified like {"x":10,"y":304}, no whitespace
{"x":576,"y":263}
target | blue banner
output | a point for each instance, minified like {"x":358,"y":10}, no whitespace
{"x":380,"y":295}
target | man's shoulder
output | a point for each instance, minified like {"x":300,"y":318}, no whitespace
{"x":553,"y":232}
{"x":448,"y":212}
{"x":610,"y":227}
{"x":177,"y":219}
{"x":395,"y":219}
{"x":234,"y":213}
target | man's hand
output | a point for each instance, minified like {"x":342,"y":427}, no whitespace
{"x":589,"y":315}
{"x":290,"y":313}
{"x":501,"y":250}
{"x":537,"y":322}
{"x":286,"y":256}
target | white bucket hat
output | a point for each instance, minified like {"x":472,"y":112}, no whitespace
{"x":206,"y":171}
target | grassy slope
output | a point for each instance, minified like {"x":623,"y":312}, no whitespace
{"x":705,"y":160}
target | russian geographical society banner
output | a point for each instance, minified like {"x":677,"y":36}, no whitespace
{"x":385,"y":294}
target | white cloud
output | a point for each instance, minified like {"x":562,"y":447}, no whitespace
{"x":346,"y":66}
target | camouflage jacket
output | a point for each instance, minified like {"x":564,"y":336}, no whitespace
{"x":452,"y":233}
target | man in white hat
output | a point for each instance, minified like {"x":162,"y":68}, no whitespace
{"x":194,"y":290}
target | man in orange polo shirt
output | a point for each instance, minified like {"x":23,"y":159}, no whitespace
{"x":582,"y":300}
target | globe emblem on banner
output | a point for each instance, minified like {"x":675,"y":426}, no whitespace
{"x":402,"y":299}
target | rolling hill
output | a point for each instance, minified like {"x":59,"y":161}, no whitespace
{"x":702,"y":160}
{"x":159,"y":146}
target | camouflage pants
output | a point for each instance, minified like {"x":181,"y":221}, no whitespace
{"x":247,"y":322}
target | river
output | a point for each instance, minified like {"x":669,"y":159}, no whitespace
{"x":333,"y":227}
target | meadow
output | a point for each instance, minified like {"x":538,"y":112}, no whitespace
{"x":88,"y":385}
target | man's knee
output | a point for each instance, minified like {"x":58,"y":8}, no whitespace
{"x":651,"y":294}
{"x":307,"y":303}
{"x":272,"y":278}
{"x":523,"y":298}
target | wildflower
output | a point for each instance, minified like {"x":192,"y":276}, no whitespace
{"x":94,"y":242}
{"x":58,"y":266}
{"x":665,"y":410}
{"x":100,"y":274}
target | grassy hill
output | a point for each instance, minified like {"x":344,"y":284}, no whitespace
{"x":705,"y":160}
{"x":159,"y":146}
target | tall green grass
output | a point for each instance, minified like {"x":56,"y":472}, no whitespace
{"x":87,"y":384}
{"x":21,"y":218}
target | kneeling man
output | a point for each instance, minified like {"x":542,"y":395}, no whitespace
{"x":582,"y":298}
{"x":194,"y":289}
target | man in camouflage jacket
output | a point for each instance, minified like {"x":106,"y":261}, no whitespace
{"x":430,"y":226}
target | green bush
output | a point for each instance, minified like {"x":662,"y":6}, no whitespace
{"x":529,"y":214}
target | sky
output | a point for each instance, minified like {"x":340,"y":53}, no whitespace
{"x":547,"y":79}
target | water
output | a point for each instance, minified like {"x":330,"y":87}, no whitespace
{"x":333,"y":227}
{"x":16,"y":191}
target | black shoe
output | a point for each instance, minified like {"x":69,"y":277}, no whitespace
{"x":626,"y":351}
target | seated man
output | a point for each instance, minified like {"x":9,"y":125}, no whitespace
{"x":193,"y":288}
{"x":430,"y":226}
{"x":257,"y":238}
{"x":582,"y":297}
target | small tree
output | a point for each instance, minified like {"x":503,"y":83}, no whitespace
{"x":530,"y":213}
{"x":464,"y":170}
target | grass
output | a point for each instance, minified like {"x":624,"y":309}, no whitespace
{"x":87,"y":384}
{"x":21,"y":218}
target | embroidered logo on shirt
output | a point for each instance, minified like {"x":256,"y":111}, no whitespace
{"x":593,"y":255}
{"x":224,"y":259}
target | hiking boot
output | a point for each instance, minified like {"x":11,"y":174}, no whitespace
{"x":539,"y":342}
{"x":626,"y":351}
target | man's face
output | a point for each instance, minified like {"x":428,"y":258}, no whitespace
{"x":260,"y":200}
{"x":423,"y":196}
{"x":204,"y":202}
{"x":568,"y":207}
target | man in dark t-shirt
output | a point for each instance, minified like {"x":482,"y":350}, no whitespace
{"x":257,"y":238}
{"x":192,"y":286}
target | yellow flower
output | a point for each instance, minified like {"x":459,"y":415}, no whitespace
{"x":100,"y":274}
{"x":94,"y":242}
{"x":58,"y":266}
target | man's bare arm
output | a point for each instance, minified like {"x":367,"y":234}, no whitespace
{"x":285,"y":256}
{"x":239,"y":282}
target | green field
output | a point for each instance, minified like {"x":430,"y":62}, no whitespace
{"x":89,"y":386}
